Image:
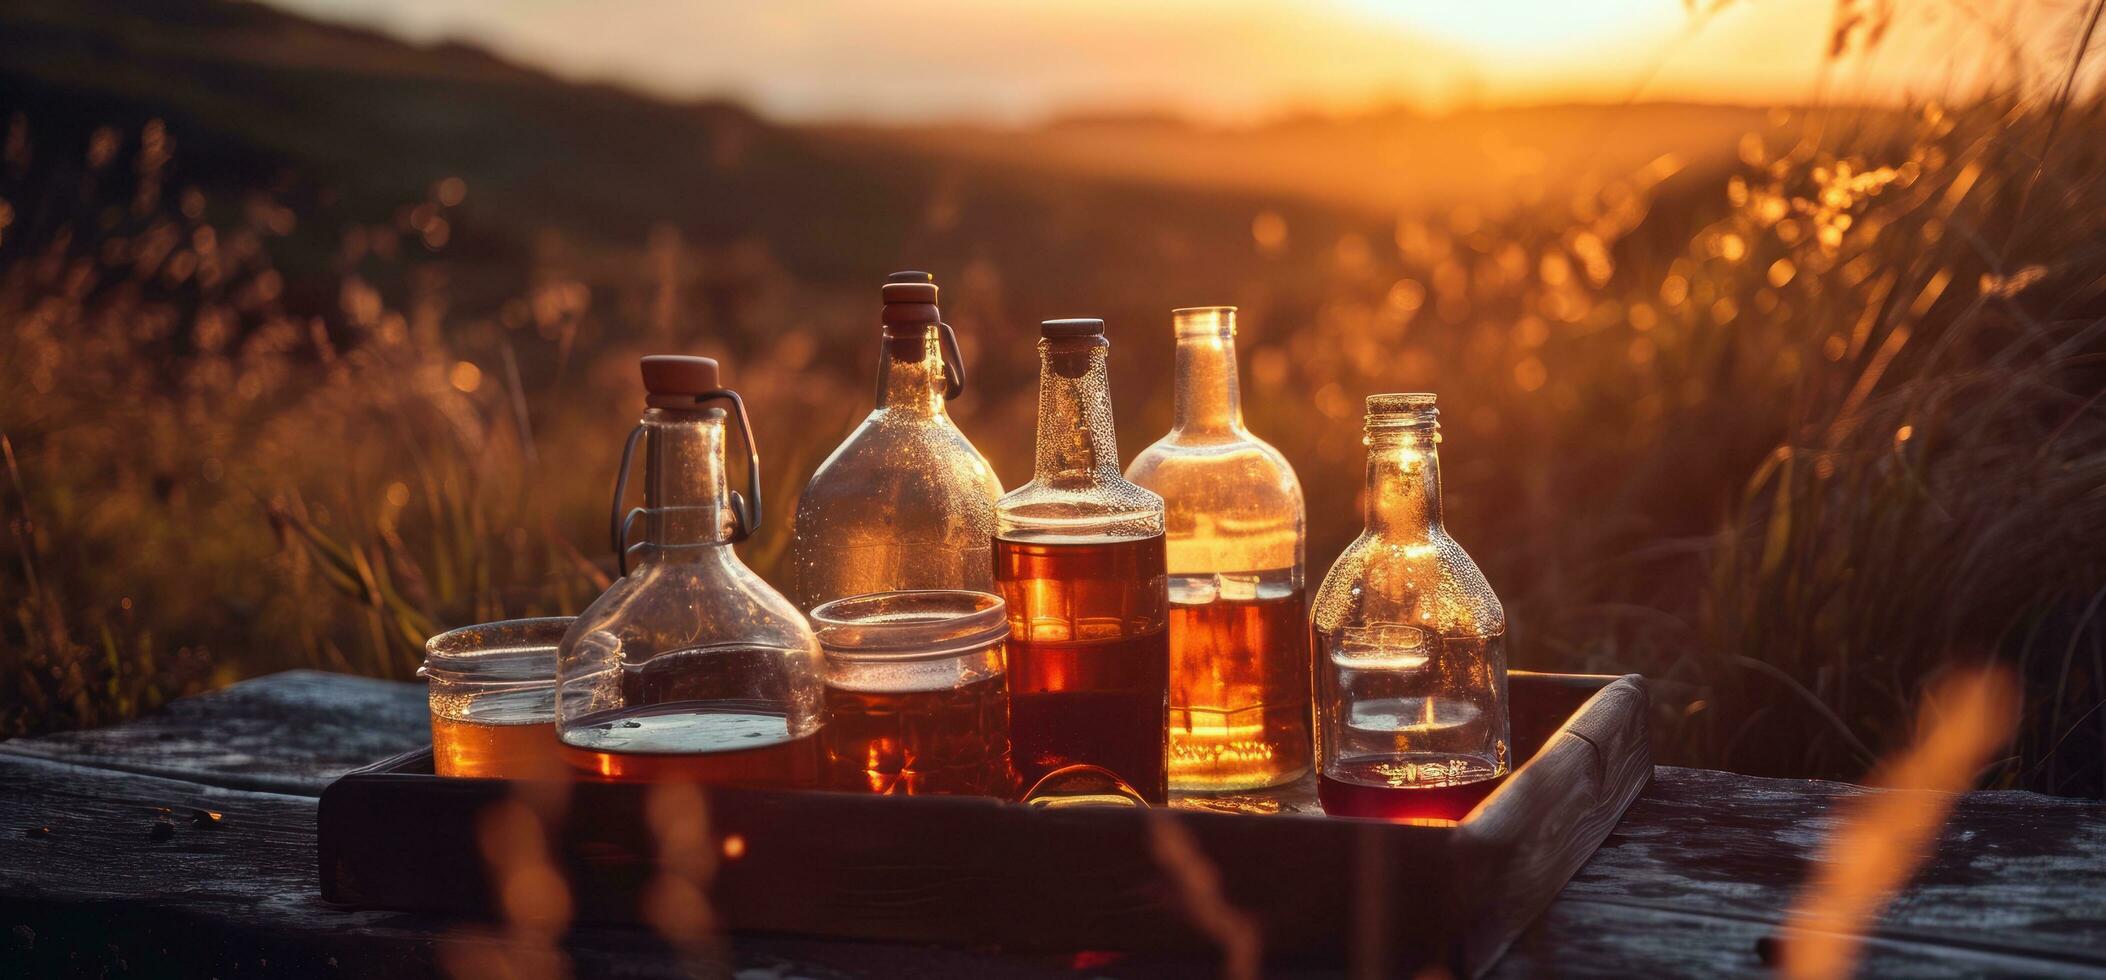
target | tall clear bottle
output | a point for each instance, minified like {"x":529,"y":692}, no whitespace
{"x":690,"y":667}
{"x":1411,"y":658}
{"x":1079,"y":559}
{"x":1239,"y":639}
{"x":905,"y":502}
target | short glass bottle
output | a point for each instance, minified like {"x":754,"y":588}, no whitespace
{"x":1411,"y":660}
{"x":916,"y":700}
{"x":905,"y":502}
{"x":690,"y":667}
{"x":1239,"y":638}
{"x":1079,"y":559}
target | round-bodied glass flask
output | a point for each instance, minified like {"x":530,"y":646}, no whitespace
{"x":905,"y":502}
{"x":690,"y":667}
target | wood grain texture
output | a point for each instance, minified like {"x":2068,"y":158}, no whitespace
{"x":99,"y":894}
{"x":1701,"y":869}
{"x":1579,"y":787}
{"x":2016,"y":877}
{"x":291,"y":732}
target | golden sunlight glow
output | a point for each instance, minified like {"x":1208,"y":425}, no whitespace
{"x":1516,"y":27}
{"x":1216,"y":59}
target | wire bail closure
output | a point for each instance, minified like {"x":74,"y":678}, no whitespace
{"x":953,"y":361}
{"x":745,"y":508}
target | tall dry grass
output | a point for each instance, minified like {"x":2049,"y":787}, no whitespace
{"x":1786,"y":436}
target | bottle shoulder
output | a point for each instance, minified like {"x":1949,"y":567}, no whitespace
{"x":676,"y":604}
{"x":913,"y":464}
{"x":1431,"y":584}
{"x":1246,"y":466}
{"x":1107,"y":506}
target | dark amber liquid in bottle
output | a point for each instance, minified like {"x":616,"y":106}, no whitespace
{"x":1089,"y":657}
{"x":1239,"y":694}
{"x":915,"y":743}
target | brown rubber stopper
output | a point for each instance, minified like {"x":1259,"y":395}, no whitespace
{"x":674,"y":380}
{"x":910,"y":299}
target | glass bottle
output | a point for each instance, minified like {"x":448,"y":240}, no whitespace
{"x":1079,"y":559}
{"x":1411,"y":658}
{"x":1239,"y":636}
{"x":905,"y":502}
{"x":690,"y":667}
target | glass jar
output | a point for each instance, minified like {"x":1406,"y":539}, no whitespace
{"x":905,"y":502}
{"x":1411,"y":656}
{"x":916,"y":700}
{"x":493,"y":699}
{"x":1079,"y":558}
{"x":690,"y":667}
{"x":1239,"y":633}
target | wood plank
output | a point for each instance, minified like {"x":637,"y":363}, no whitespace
{"x":1597,"y":938}
{"x":100,"y":893}
{"x":1700,"y":871}
{"x":291,"y":732}
{"x":1581,"y":785}
{"x":1706,"y":863}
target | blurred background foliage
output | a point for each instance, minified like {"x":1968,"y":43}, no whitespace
{"x":313,"y":343}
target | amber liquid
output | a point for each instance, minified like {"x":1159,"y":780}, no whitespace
{"x":1239,"y":693}
{"x":917,"y":743}
{"x":1407,"y":804}
{"x":720,"y":743}
{"x":1089,"y":657}
{"x":478,"y":749}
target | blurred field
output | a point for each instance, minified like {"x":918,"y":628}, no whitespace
{"x":313,"y":343}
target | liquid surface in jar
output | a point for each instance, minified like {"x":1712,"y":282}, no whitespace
{"x":950,"y":740}
{"x":1089,"y":657}
{"x":497,"y":735}
{"x":464,"y":747}
{"x":718,"y":743}
{"x":1239,"y":689}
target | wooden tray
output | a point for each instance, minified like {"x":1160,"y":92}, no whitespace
{"x":978,"y":872}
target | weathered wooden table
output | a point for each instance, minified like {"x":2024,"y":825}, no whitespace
{"x":1694,"y":881}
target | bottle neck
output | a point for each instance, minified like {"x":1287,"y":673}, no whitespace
{"x":1404,"y":482}
{"x":910,"y":371}
{"x":1076,"y":443}
{"x":686,"y":496}
{"x":1209,"y":400}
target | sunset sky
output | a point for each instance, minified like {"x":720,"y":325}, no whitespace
{"x":921,"y":60}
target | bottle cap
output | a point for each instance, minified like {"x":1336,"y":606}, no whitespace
{"x":676,"y":380}
{"x":1079,"y":327}
{"x":910,"y":299}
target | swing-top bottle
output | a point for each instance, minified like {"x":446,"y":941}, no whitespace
{"x":905,"y":502}
{"x":690,"y":667}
